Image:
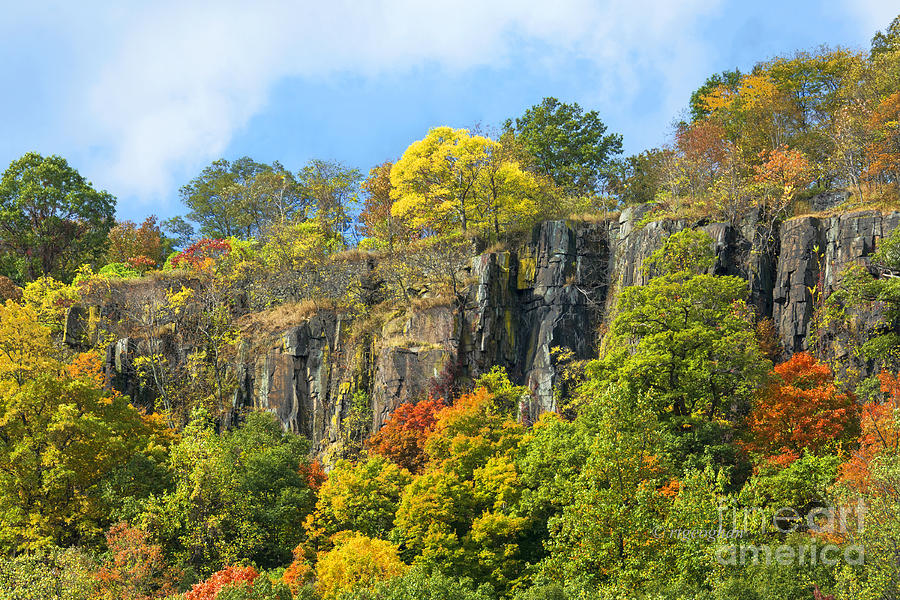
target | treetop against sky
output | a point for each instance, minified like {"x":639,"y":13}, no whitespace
{"x":140,"y":98}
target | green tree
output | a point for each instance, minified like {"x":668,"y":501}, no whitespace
{"x":238,"y":496}
{"x":51,"y":219}
{"x":569,"y":145}
{"x":240,"y":198}
{"x":887,"y":40}
{"x":687,"y":337}
{"x":604,"y":535}
{"x":637,"y":178}
{"x":874,"y":304}
{"x":332,"y":190}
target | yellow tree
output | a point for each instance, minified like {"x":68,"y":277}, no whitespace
{"x":508,"y":197}
{"x":435,"y":179}
{"x":60,"y":440}
{"x":25,"y":347}
{"x":357,"y":562}
{"x":453,"y":181}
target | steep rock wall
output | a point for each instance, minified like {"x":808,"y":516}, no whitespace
{"x":554,"y":292}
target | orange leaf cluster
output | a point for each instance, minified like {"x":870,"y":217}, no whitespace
{"x":314,"y":474}
{"x":702,"y":142}
{"x":89,"y":367}
{"x":880,"y":432}
{"x":136,"y":569}
{"x":229,"y":576}
{"x":784,"y":168}
{"x":884,"y":151}
{"x":402,"y":439}
{"x":800,"y":409}
{"x":300,"y":572}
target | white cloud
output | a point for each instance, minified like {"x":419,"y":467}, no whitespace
{"x":155,"y":90}
{"x":168,"y":85}
{"x":872,"y":15}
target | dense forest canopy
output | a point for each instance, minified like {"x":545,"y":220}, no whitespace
{"x":690,"y":458}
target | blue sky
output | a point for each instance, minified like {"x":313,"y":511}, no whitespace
{"x":140,"y":96}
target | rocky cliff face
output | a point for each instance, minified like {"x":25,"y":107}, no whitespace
{"x":554,"y":293}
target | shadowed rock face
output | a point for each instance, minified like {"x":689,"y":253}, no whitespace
{"x":814,"y":252}
{"x":555,"y":292}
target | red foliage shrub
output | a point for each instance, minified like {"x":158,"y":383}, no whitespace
{"x":202,"y":253}
{"x":209,"y":589}
{"x":141,"y":263}
{"x":402,"y":439}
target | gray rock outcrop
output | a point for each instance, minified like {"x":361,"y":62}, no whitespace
{"x":521,"y":310}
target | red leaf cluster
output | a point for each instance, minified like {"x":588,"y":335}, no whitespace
{"x":314,"y":474}
{"x":233,"y":576}
{"x":402,"y":439}
{"x":202,"y":252}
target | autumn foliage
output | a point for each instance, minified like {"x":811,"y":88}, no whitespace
{"x":880,"y":433}
{"x":229,"y":576}
{"x":300,"y":571}
{"x":314,"y":474}
{"x":355,"y":562}
{"x":785,"y":170}
{"x":884,"y":151}
{"x":402,"y":439}
{"x":88,"y":366}
{"x":202,"y":253}
{"x":140,"y":246}
{"x":800,"y":409}
{"x":135,"y":569}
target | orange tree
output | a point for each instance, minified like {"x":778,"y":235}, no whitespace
{"x":135,"y":568}
{"x":880,"y":433}
{"x":402,"y":439}
{"x":801,"y":409}
{"x":884,"y":151}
